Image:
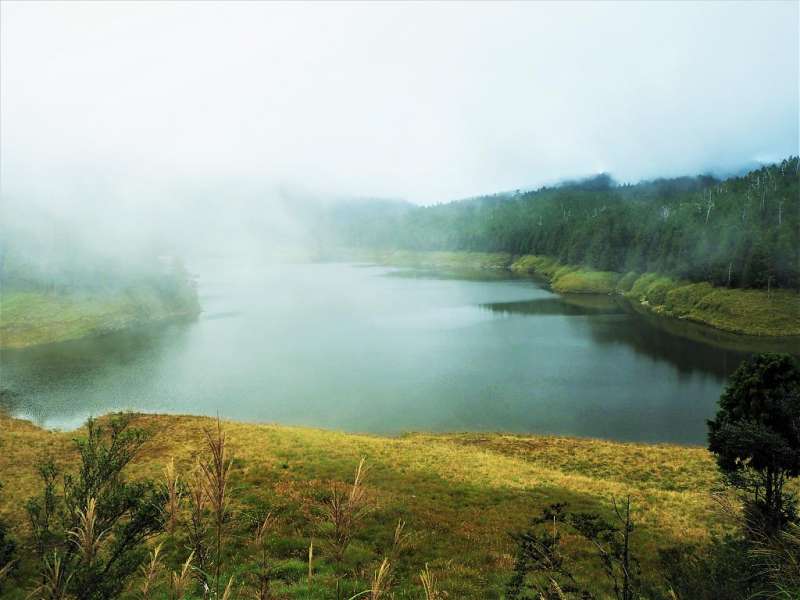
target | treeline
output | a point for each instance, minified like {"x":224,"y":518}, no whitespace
{"x":738,"y":232}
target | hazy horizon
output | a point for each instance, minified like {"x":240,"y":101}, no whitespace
{"x":139,"y":102}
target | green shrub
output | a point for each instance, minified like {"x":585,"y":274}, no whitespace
{"x":586,"y":282}
{"x":682,"y":299}
{"x":639,"y":287}
{"x":626,"y":282}
{"x":656,"y":293}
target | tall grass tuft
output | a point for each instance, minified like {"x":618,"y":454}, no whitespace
{"x":86,"y":536}
{"x":429,"y":584}
{"x":261,"y":575}
{"x":55,"y":581}
{"x":196,"y":527}
{"x":384,"y":575}
{"x":310,"y":563}
{"x":228,"y":593}
{"x":215,"y":476}
{"x":345,"y":511}
{"x":779,"y":559}
{"x":150,"y":571}
{"x":381,"y":581}
{"x":402,"y":538}
{"x":172,"y":505}
{"x":179,"y":582}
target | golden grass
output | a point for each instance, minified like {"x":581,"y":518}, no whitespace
{"x":669,"y":485}
{"x":451,"y":499}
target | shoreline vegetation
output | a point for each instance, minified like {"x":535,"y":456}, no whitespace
{"x":459,"y":495}
{"x":36,"y":317}
{"x":764,"y":313}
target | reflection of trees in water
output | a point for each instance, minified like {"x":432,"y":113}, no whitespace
{"x":55,"y":365}
{"x":557,"y":306}
{"x":655,"y":337}
{"x":458,"y":274}
{"x":686,"y":355}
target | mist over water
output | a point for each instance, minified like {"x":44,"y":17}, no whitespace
{"x":131,"y":133}
{"x":359,"y":348}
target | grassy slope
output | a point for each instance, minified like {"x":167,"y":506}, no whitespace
{"x":749,"y":312}
{"x":461,"y":493}
{"x":29,"y":318}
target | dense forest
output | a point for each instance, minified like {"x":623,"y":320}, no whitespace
{"x":739,"y":232}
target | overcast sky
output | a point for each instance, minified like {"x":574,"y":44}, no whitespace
{"x":426,"y":102}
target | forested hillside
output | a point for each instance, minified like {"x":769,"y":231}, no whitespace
{"x":739,"y":232}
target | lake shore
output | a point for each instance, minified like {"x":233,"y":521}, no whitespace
{"x":757,"y":313}
{"x":31,"y":318}
{"x":461,"y":494}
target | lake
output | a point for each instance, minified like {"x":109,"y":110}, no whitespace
{"x":373,"y":349}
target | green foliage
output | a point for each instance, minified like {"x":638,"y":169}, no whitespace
{"x":626,"y":282}
{"x":742,"y":232}
{"x":756,"y":436}
{"x":722,"y":569}
{"x":682,"y":298}
{"x":585,"y":282}
{"x":95,"y":526}
{"x":8,"y":552}
{"x":544,"y":569}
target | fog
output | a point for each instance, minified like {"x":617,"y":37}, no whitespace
{"x":128,"y":122}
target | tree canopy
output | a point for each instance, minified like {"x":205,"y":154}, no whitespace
{"x":743,"y":231}
{"x":756,"y":434}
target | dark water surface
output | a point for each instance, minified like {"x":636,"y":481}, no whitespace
{"x":355,"y":348}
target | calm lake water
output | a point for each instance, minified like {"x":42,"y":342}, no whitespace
{"x":374,"y":349}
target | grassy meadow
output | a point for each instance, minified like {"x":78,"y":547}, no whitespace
{"x":460,"y":495}
{"x":29,"y":318}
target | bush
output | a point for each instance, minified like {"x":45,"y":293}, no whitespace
{"x":90,"y":535}
{"x":626,"y":282}
{"x":683,"y":299}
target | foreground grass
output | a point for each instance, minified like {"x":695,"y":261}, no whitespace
{"x":462,"y":494}
{"x":29,"y":318}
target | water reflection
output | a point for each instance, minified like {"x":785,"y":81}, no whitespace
{"x":88,"y":376}
{"x":563,"y":306}
{"x":688,"y":347}
{"x":365,"y":349}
